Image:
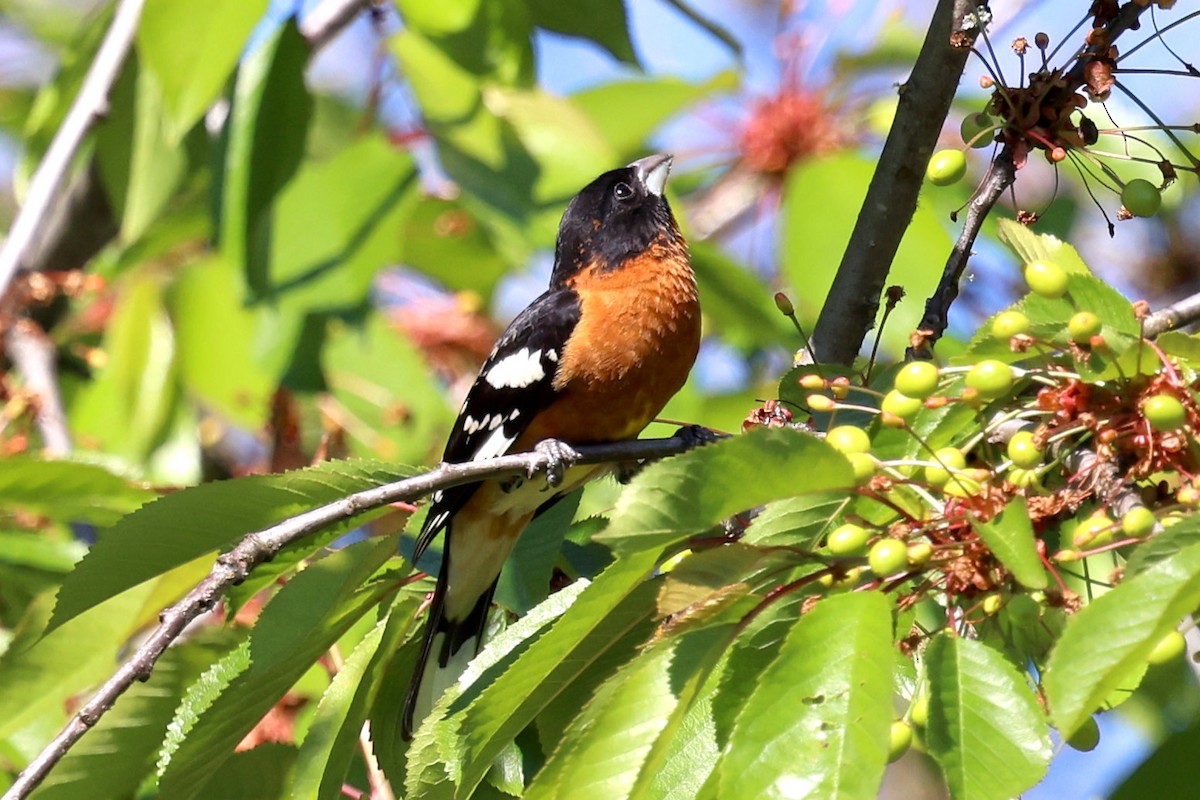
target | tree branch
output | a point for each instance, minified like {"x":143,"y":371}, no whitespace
{"x":259,"y":546}
{"x":35,"y":357}
{"x":1174,"y":316}
{"x":89,"y":106}
{"x":937,"y":308}
{"x":925,"y":98}
{"x":328,"y":19}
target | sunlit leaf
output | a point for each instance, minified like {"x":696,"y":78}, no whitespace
{"x":816,"y":723}
{"x":191,"y":48}
{"x":1111,"y":637}
{"x":183,"y":526}
{"x":1010,"y":537}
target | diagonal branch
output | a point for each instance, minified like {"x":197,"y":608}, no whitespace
{"x":90,"y":105}
{"x":892,"y":196}
{"x":937,"y":308}
{"x":259,"y":546}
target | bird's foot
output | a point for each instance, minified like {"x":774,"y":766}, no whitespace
{"x":560,"y":457}
{"x":698,"y":435}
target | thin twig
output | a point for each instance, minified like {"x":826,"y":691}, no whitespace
{"x":891,"y":198}
{"x":34,"y":355}
{"x":89,"y":106}
{"x":1174,"y":316}
{"x":937,"y":308}
{"x":234,"y":566}
{"x":327,"y":20}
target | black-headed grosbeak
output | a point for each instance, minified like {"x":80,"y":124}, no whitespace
{"x":594,"y":359}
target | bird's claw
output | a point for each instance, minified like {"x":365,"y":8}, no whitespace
{"x":698,"y":435}
{"x":559,"y":458}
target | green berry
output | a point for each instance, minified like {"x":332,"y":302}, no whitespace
{"x":990,"y":378}
{"x":899,"y":740}
{"x":1096,"y":530}
{"x":848,"y":439}
{"x":919,"y":713}
{"x":1141,"y":198}
{"x":1008,"y":324}
{"x":973,"y":127}
{"x":917,"y":379}
{"x":1086,"y":737}
{"x":1138,"y":521}
{"x":1164,"y":412}
{"x":950,"y":458}
{"x":848,"y":540}
{"x":887,"y":557}
{"x":901,"y":405}
{"x":1169,"y":648}
{"x":1083,"y":326}
{"x":920,"y":553}
{"x":863,"y":466}
{"x":992,"y":603}
{"x":1046,"y":278}
{"x":1022,"y":450}
{"x":946,"y":167}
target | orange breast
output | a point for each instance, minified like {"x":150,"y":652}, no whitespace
{"x":636,"y":341}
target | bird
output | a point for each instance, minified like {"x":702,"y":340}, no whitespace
{"x":593,"y":359}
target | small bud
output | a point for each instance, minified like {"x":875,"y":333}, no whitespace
{"x":986,"y":82}
{"x":812,"y":382}
{"x":819,"y":402}
{"x":1041,"y":40}
{"x":784,"y":304}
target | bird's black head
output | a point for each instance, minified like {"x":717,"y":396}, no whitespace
{"x":616,"y":217}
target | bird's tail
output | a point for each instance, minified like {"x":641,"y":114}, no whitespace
{"x":447,"y":649}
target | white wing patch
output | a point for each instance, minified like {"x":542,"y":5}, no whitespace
{"x":518,"y":370}
{"x":495,"y":445}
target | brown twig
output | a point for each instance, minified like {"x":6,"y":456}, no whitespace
{"x":255,"y":548}
{"x":937,"y":308}
{"x":1173,"y":317}
{"x":34,"y":355}
{"x":891,"y":198}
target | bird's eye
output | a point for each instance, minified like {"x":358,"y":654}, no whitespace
{"x":623,"y":191}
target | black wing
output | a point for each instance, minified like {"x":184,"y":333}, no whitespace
{"x":513,"y":386}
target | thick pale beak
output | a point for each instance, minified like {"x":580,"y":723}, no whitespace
{"x":652,"y":171}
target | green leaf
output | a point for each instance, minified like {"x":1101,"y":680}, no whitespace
{"x":740,"y":304}
{"x":332,"y":740}
{"x":37,"y":551}
{"x":127,"y":409}
{"x":43,"y":669}
{"x":1010,"y":538}
{"x":1029,"y":246}
{"x":603,"y":613}
{"x":821,"y":202}
{"x":816,"y":724}
{"x":1112,"y":636}
{"x":399,"y":412}
{"x":262,"y":154}
{"x":252,"y":775}
{"x":191,"y":48}
{"x":797,"y":520}
{"x":67,"y":491}
{"x":688,"y":493}
{"x":335,"y":226}
{"x":604,"y":751}
{"x":985,"y":728}
{"x":212,"y":329}
{"x":183,"y":526}
{"x":116,"y":755}
{"x":602,"y":21}
{"x":1163,"y":545}
{"x":525,"y":581}
{"x":441,"y":236}
{"x":300,"y":623}
{"x":1170,"y":771}
{"x":645,"y":105}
